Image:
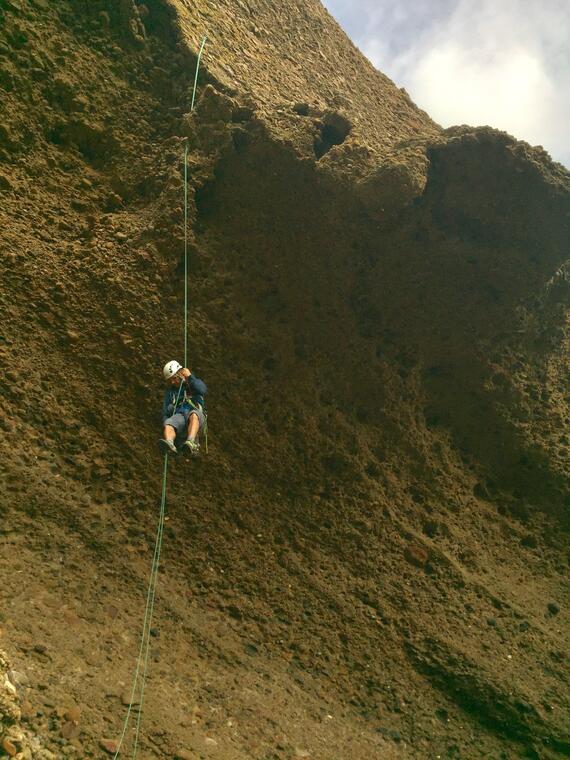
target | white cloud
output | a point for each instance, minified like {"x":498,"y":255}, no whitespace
{"x":509,"y":90}
{"x":506,"y":64}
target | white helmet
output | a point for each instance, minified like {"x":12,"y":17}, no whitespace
{"x":170,"y":369}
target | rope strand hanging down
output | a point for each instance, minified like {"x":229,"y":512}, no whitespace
{"x":147,"y":623}
{"x":186,"y":212}
{"x":139,"y":679}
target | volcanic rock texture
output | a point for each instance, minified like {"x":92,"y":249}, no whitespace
{"x":372,"y":559}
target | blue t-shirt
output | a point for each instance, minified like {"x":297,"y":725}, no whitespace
{"x":189,"y":393}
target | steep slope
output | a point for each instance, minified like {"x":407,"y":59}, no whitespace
{"x":371,"y":561}
{"x":295,"y":54}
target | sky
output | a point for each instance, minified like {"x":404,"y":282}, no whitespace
{"x":503,"y":63}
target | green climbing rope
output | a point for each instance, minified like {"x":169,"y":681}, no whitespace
{"x":147,"y":623}
{"x":186,"y":210}
{"x":139,"y":680}
{"x":204,"y":39}
{"x":186,"y":255}
{"x":153,"y":594}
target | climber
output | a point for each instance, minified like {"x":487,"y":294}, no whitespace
{"x":183,"y":411}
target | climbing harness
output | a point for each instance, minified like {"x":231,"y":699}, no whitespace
{"x":139,"y":680}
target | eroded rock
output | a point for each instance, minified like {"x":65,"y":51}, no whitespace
{"x":395,"y":183}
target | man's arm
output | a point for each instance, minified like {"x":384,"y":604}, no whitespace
{"x":194,"y":383}
{"x":197,"y":386}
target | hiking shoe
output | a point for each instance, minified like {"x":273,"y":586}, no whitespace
{"x":191,"y":448}
{"x":167,"y":447}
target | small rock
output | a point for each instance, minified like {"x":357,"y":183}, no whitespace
{"x":113,"y":202}
{"x":111,"y":611}
{"x":40,"y":648}
{"x":9,"y":748}
{"x":79,"y":204}
{"x":126,"y":699}
{"x":27,"y":710}
{"x":302,"y":109}
{"x":19,"y":680}
{"x":209,"y":742}
{"x":431,"y":528}
{"x":553,"y":608}
{"x":109,"y":745}
{"x":416,"y":555}
{"x":10,"y":688}
{"x":80,"y":102}
{"x":182,"y":754}
{"x":5,"y":183}
{"x":71,"y":617}
{"x":529,"y":542}
{"x":70,"y":730}
{"x":45,"y":754}
{"x":37,"y":74}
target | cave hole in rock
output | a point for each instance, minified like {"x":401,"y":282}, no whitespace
{"x":333,"y":130}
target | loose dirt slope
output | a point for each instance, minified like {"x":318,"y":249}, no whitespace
{"x":372,"y":560}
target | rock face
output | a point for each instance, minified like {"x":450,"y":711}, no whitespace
{"x":15,"y":741}
{"x":372,"y":559}
{"x":394,"y":184}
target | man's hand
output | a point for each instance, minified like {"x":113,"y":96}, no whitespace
{"x":185,"y":372}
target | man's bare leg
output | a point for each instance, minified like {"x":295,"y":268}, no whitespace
{"x":166,"y":444}
{"x":190,"y":445}
{"x":193,"y":425}
{"x":169,"y":433}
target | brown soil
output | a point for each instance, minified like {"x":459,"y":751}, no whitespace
{"x":372,"y":560}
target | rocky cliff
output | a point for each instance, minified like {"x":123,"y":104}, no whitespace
{"x":372,"y":559}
